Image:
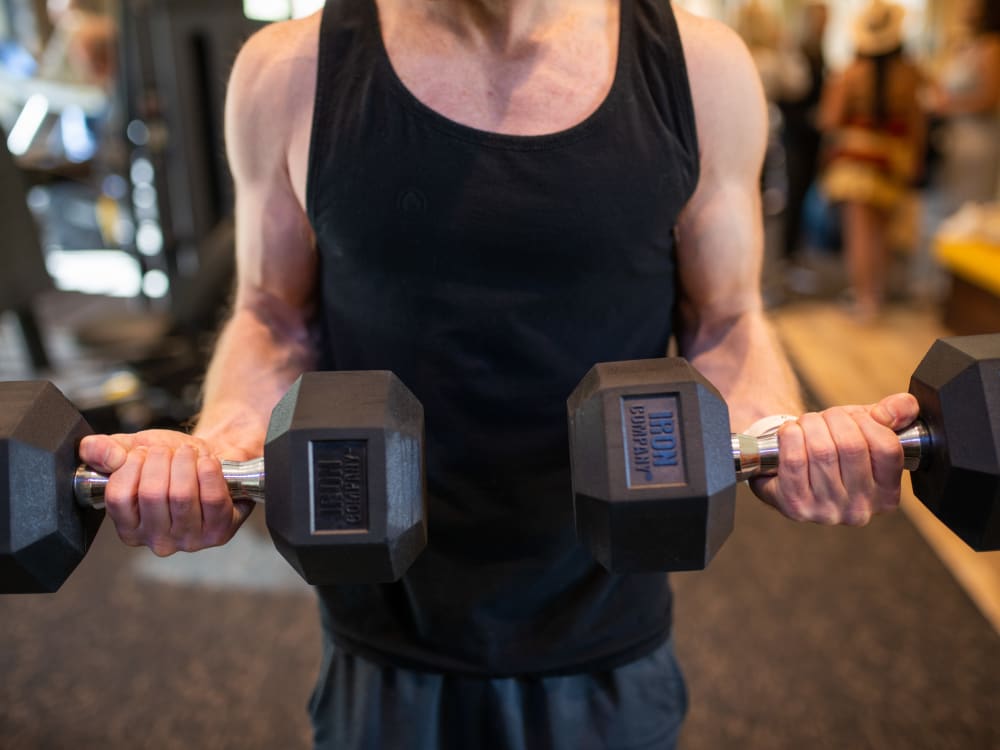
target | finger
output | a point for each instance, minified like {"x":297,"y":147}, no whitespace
{"x":886,"y":456}
{"x":184,"y":506}
{"x":104,"y":453}
{"x":855,"y":466}
{"x":217,"y":508}
{"x":825,"y":484}
{"x":154,"y":503}
{"x":793,"y":491}
{"x":120,"y":497}
{"x":896,"y":411}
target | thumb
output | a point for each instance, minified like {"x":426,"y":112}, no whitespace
{"x":896,"y":411}
{"x":103,"y":453}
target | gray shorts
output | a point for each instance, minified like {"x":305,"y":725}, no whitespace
{"x":358,"y":705}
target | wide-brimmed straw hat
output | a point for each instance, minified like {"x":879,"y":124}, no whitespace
{"x":879,"y":28}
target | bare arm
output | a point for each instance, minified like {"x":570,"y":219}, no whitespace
{"x":266,"y":343}
{"x":840,"y":466}
{"x":723,"y":329}
{"x":166,"y":489}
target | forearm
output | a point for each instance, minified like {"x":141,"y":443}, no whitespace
{"x":258,"y":356}
{"x":742,"y":357}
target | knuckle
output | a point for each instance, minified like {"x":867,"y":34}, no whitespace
{"x":826,"y":516}
{"x":162,"y":546}
{"x":116,"y":501}
{"x":889,"y":500}
{"x":794,"y":462}
{"x":151,"y":495}
{"x":825,"y":455}
{"x":182,"y":505}
{"x":129,"y":538}
{"x":159,"y":451}
{"x":216,"y":502}
{"x":857,"y":517}
{"x":853,"y":449}
{"x":888,"y":451}
{"x":189,"y":544}
{"x":216,"y":538}
{"x":796,"y":509}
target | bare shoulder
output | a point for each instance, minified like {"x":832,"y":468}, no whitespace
{"x":272,"y":83}
{"x":275,"y":60}
{"x":730,"y":110}
{"x":711,"y":47}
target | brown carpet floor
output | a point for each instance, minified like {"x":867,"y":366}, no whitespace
{"x":796,"y":637}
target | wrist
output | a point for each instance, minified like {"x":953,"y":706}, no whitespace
{"x":241,"y":428}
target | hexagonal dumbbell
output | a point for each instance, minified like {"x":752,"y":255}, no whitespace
{"x":655,"y":466}
{"x":344,"y":481}
{"x":958,"y":386}
{"x":653,"y":480}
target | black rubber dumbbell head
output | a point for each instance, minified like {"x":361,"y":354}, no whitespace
{"x":345,"y":477}
{"x":44,"y":534}
{"x":958,"y":387}
{"x":653,"y":478}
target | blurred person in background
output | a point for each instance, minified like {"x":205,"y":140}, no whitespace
{"x":871,"y":116}
{"x":799,"y":111}
{"x":784,"y":74}
{"x":966,"y":96}
{"x":81,"y":48}
{"x":783,"y":70}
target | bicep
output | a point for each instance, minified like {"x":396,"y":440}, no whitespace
{"x":720,"y":233}
{"x":276,"y":259}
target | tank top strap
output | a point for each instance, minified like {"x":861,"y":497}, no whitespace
{"x":660,"y":70}
{"x":348,"y":52}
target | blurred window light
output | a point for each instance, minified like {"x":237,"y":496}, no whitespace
{"x":155,"y":284}
{"x":149,"y":238}
{"x":114,"y":186}
{"x":280,"y":10}
{"x":707,"y":8}
{"x":78,"y":142}
{"x":142,"y":172}
{"x":39,"y":199}
{"x":302,"y":8}
{"x":109,"y":272}
{"x":124,"y":231}
{"x":28,"y":122}
{"x":137,"y":132}
{"x":144,"y":196}
{"x":267,"y":10}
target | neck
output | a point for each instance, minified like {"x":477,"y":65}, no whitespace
{"x":501,"y":25}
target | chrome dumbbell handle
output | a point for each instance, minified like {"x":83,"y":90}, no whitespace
{"x":758,"y":456}
{"x":245,"y":479}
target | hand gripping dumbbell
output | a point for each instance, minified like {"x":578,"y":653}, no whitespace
{"x":655,"y":466}
{"x":345,"y":481}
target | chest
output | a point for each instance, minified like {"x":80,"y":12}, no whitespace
{"x":545,"y":84}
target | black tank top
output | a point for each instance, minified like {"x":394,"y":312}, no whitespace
{"x":490,"y":272}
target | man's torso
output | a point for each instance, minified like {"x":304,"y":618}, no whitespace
{"x":489,"y":256}
{"x":555,"y":86}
